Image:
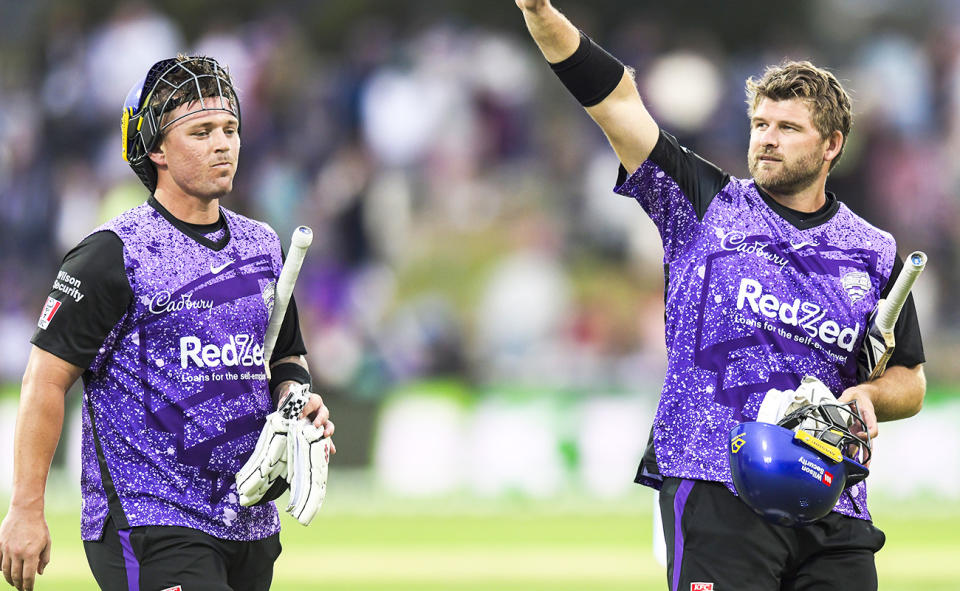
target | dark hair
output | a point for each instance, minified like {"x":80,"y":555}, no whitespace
{"x":189,"y":79}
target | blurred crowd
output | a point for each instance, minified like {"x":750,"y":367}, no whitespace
{"x":461,"y":201}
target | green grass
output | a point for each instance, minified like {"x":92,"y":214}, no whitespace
{"x":365,"y":544}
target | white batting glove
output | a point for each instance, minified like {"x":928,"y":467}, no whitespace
{"x":265,"y":470}
{"x":308,"y":455}
{"x":267,"y":464}
{"x":779,"y":403}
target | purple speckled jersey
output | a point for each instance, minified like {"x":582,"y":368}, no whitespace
{"x":753,"y":302}
{"x":178,"y":393}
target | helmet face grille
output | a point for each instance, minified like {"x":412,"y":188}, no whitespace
{"x":194,"y":88}
{"x":838,"y":425}
{"x":151,"y":80}
{"x":180,"y":81}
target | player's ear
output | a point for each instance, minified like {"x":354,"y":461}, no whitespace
{"x":158,"y":156}
{"x":834,"y":144}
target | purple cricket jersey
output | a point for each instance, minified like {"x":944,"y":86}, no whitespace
{"x":752,"y":303}
{"x":178,"y":393}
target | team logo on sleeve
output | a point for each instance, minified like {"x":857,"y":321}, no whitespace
{"x":49,"y":311}
{"x":856,"y":284}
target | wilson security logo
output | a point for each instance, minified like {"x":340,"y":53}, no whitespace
{"x":819,"y":473}
{"x":239,"y":350}
{"x":807,"y":315}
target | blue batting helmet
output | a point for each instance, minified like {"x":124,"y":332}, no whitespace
{"x":168,"y":84}
{"x":794,"y":472}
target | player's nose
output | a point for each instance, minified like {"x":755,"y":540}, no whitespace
{"x":221,"y":141}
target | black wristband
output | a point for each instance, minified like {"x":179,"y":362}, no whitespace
{"x":288,"y":371}
{"x":590,"y":74}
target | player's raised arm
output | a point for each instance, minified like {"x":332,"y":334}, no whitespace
{"x":602,"y":84}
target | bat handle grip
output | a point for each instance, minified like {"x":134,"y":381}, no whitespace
{"x":889,"y":309}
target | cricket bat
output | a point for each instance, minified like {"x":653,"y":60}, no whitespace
{"x":879,"y":343}
{"x":301,"y":240}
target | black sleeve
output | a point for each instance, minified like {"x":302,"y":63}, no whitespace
{"x":698,"y":179}
{"x":289,"y":339}
{"x":90,"y":295}
{"x":909,"y":349}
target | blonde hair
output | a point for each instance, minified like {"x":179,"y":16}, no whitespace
{"x":829,"y":103}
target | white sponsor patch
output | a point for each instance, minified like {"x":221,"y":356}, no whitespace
{"x":49,"y":311}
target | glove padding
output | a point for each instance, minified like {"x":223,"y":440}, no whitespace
{"x":263,"y":477}
{"x":267,"y":465}
{"x":308,"y":455}
{"x":779,"y":403}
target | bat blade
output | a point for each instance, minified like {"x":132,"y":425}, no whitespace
{"x":301,"y":240}
{"x":880,"y":342}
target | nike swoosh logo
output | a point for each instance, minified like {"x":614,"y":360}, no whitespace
{"x":216,"y":270}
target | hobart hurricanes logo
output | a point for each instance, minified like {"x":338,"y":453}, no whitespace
{"x":807,"y":315}
{"x":856,"y":284}
{"x":239,"y":350}
{"x":269,"y":292}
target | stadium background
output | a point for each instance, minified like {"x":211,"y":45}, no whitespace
{"x":484,"y":315}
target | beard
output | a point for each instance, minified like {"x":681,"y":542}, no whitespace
{"x":786,"y":177}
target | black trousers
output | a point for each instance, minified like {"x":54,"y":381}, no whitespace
{"x":155,"y":558}
{"x":716,"y":543}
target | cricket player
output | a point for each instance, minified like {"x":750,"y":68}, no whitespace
{"x":767,"y":279}
{"x":162,"y":311}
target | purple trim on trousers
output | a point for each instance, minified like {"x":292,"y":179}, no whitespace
{"x":679,"y":502}
{"x":130,"y":561}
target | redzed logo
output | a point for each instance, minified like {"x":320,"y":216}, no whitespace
{"x":701,"y":586}
{"x":178,"y":588}
{"x":828,"y":478}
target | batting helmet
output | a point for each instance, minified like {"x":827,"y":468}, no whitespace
{"x":168,"y":84}
{"x":794,"y":472}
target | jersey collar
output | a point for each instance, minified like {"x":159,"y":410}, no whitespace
{"x":802,"y":220}
{"x":195,"y":231}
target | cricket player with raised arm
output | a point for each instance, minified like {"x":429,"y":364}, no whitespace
{"x":162,"y":311}
{"x":768,"y":279}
